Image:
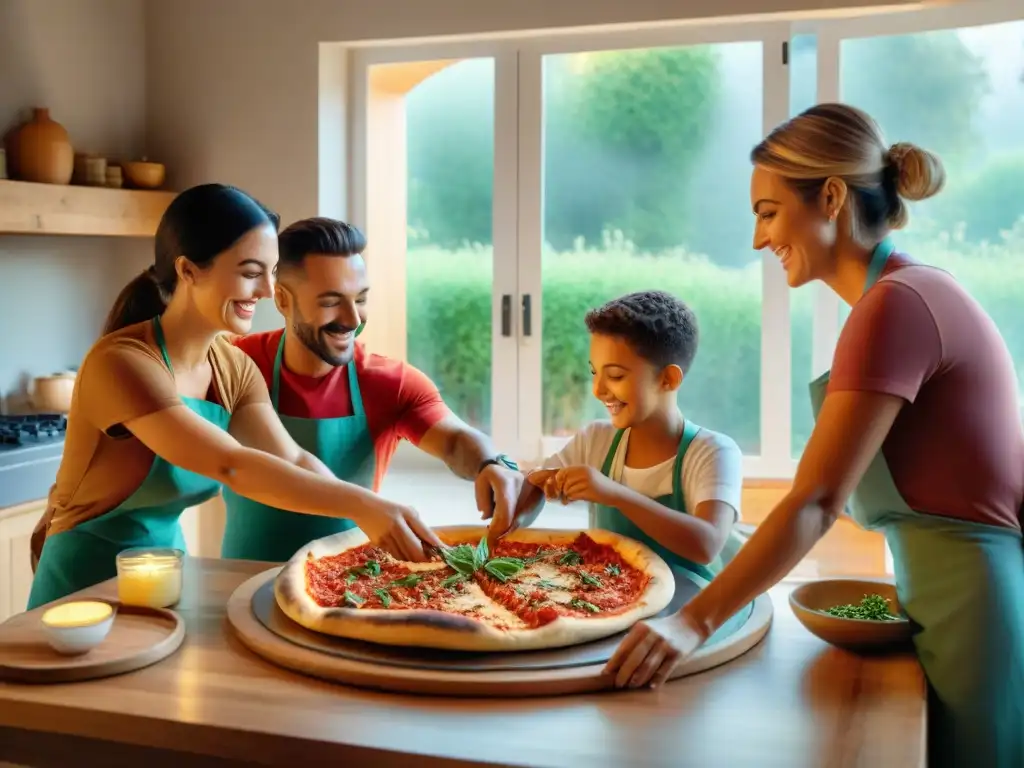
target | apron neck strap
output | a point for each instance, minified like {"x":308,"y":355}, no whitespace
{"x":353,"y":381}
{"x":879,"y":257}
{"x":158,"y":332}
{"x":690,"y":431}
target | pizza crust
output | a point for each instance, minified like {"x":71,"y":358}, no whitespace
{"x":437,"y":629}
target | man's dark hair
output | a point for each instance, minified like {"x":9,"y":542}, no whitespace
{"x":318,"y":235}
{"x":658,"y":326}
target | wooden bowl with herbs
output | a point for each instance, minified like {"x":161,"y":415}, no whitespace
{"x":855,"y":614}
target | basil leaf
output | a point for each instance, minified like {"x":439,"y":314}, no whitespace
{"x":461,"y":559}
{"x":590,"y":581}
{"x":504,"y":568}
{"x":354,"y":600}
{"x":407,"y":581}
{"x":384,"y":596}
{"x":481,"y":554}
{"x":370,"y":568}
{"x":351,"y":577}
{"x":577,"y":602}
{"x":572,"y":557}
{"x":547,"y":584}
{"x":613,"y":570}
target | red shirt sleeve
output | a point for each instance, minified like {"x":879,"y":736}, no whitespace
{"x":420,"y":405}
{"x":889,"y":345}
{"x":258,"y":346}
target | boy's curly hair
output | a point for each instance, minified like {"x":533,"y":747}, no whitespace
{"x":658,"y":326}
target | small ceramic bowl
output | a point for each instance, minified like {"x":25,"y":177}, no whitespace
{"x":811,"y":601}
{"x":78,"y":627}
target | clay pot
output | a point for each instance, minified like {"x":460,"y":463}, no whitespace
{"x":144,"y":174}
{"x":41,"y":151}
{"x":52,"y":394}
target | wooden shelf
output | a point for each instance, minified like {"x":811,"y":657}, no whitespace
{"x":52,"y":209}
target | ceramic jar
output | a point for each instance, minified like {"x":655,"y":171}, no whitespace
{"x":41,"y":150}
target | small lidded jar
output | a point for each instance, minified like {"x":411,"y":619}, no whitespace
{"x":149,"y":577}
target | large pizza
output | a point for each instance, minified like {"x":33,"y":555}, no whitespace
{"x":537,"y":589}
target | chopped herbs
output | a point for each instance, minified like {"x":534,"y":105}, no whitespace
{"x":541,"y":554}
{"x":407,"y":581}
{"x":613,"y":570}
{"x":353,"y":600}
{"x":370,"y":568}
{"x":582,"y":604}
{"x":870,"y":608}
{"x":385,"y":597}
{"x":452,"y":581}
{"x":548,"y":584}
{"x":572,"y":557}
{"x":590,"y":581}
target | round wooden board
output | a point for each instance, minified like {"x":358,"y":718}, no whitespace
{"x":441,"y":681}
{"x":139,"y":637}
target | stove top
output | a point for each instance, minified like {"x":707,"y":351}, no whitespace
{"x":18,"y":431}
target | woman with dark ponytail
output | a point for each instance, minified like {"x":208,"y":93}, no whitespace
{"x":166,"y":410}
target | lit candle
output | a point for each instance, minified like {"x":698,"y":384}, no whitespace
{"x":149,"y":577}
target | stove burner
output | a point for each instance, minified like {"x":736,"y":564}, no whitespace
{"x":35,"y":428}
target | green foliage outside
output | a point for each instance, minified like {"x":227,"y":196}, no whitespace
{"x":449,"y":321}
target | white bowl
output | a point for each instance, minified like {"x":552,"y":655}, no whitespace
{"x":78,"y":627}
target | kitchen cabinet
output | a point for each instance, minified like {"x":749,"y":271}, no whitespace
{"x":16,"y":524}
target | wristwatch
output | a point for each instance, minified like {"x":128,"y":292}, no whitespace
{"x":501,"y":459}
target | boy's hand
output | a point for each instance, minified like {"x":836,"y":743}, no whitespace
{"x":582,"y":483}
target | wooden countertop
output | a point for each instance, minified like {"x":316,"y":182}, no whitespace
{"x":791,"y":702}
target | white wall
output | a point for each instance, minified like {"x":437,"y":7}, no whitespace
{"x":85,"y":61}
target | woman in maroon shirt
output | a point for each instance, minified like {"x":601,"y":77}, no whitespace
{"x":917,"y":426}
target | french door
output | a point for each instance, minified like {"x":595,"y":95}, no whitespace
{"x":502,"y":201}
{"x":507,"y":186}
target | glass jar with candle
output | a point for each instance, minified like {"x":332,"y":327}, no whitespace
{"x":149,"y":577}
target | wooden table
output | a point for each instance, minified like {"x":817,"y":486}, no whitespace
{"x":791,"y":702}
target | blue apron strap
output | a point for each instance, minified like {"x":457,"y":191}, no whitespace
{"x":275,"y":380}
{"x":690,"y":431}
{"x":158,"y":332}
{"x":879,"y":257}
{"x":353,"y":388}
{"x":606,"y":469}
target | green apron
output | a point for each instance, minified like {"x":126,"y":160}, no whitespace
{"x":254,"y":531}
{"x":86,"y":555}
{"x":962,"y":586}
{"x":611,"y":519}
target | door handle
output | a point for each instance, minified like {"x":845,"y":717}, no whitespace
{"x":527,"y":315}
{"x":506,"y":314}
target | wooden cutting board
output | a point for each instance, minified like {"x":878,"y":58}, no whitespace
{"x":139,"y":637}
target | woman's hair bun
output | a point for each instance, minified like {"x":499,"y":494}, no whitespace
{"x":919,"y":173}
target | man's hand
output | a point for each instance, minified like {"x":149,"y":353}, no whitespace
{"x":398,"y":529}
{"x":528,"y":505}
{"x":498,"y":489}
{"x":652,"y":649}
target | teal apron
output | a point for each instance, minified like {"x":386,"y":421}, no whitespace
{"x":257,"y":532}
{"x":962,"y":586}
{"x":86,"y":555}
{"x":611,"y":519}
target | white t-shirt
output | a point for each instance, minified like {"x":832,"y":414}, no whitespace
{"x":712,"y":467}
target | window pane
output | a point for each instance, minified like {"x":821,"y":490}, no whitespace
{"x":803,"y":93}
{"x":449,"y":262}
{"x":646,"y":180}
{"x":960,"y":94}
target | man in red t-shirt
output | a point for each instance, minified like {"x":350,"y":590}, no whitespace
{"x":344,"y":405}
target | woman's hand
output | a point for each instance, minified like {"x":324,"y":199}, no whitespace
{"x":398,"y":529}
{"x":652,"y":649}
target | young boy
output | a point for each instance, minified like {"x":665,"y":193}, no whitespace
{"x":649,"y":473}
